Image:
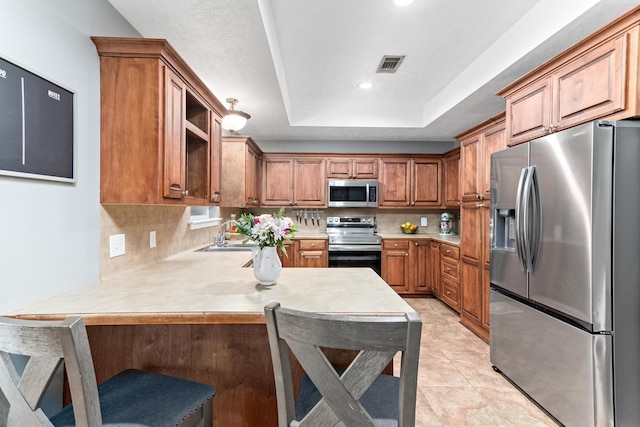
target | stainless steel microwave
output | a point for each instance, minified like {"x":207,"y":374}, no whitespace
{"x":353,"y":194}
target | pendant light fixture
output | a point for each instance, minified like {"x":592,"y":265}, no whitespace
{"x":236,"y":119}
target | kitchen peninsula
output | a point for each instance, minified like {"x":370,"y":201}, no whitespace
{"x":199,"y":315}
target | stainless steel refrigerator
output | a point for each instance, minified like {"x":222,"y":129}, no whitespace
{"x":565,"y":272}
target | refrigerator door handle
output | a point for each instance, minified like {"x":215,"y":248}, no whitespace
{"x":519,"y":219}
{"x":527,"y":223}
{"x":536,"y":224}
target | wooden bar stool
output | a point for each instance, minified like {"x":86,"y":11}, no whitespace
{"x":358,"y":396}
{"x":133,"y":397}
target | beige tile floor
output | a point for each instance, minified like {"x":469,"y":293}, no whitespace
{"x":456,"y":383}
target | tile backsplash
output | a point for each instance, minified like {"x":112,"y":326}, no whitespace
{"x":173,"y":234}
{"x":388,"y":220}
{"x":170,"y":223}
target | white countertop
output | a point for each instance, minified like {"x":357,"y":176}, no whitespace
{"x":213,"y":287}
{"x":453,"y":239}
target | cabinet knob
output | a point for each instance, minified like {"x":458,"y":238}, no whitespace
{"x":448,"y":251}
{"x":479,"y":205}
{"x":544,"y":129}
{"x":448,"y":292}
{"x":185,"y":193}
{"x":408,"y":204}
{"x":395,"y":244}
{"x":553,"y":128}
{"x":215,"y":197}
{"x":448,"y":268}
{"x":406,"y":254}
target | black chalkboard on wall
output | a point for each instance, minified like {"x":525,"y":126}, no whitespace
{"x":37,"y":138}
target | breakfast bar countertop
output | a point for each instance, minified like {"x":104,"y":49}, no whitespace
{"x":200,"y":287}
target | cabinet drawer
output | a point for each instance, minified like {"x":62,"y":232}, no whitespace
{"x":449,"y":294}
{"x":312,"y":244}
{"x":395,"y":244}
{"x":450,"y":251}
{"x":450,"y":269}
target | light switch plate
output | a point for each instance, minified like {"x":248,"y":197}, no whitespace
{"x":152,"y":239}
{"x":423,"y":221}
{"x":116,"y":245}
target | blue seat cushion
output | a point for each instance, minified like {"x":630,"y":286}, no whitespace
{"x":380,"y":400}
{"x":139,"y":398}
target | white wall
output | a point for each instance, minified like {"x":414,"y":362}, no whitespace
{"x":49,"y":232}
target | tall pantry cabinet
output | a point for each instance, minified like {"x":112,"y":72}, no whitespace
{"x":160,"y":126}
{"x":476,"y":147}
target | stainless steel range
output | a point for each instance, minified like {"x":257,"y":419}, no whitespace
{"x":353,"y":242}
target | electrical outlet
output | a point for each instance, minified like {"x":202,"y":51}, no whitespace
{"x":152,"y":239}
{"x":116,"y":245}
{"x":423,"y":221}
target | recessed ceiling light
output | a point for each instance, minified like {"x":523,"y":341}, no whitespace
{"x":365,"y":85}
{"x":401,"y":3}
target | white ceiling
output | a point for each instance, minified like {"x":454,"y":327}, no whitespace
{"x":294,"y":64}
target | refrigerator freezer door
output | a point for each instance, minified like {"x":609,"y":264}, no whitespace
{"x":507,"y":267}
{"x":565,"y":369}
{"x":572,"y":275}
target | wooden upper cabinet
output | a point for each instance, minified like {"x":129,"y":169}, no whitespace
{"x":596,"y":78}
{"x":174,"y":144}
{"x":290,"y":181}
{"x":241,"y":171}
{"x":529,"y":112}
{"x":277,"y":182}
{"x":451,"y":186}
{"x":470,"y":155}
{"x":410,"y":182}
{"x":494,"y":139}
{"x":159,"y":126}
{"x":395,"y":176}
{"x":216,"y":159}
{"x":309,"y":182}
{"x":252,"y":168}
{"x":342,"y":168}
{"x":476,"y":147}
{"x":426,"y":182}
{"x":591,"y":86}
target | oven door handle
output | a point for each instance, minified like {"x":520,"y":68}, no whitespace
{"x":355,"y":248}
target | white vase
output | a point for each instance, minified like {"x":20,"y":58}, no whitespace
{"x":266,"y":265}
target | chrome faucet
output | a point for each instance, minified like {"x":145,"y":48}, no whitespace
{"x":220,"y":238}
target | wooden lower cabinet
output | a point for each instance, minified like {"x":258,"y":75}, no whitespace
{"x":288,"y":260}
{"x":312,"y":253}
{"x":434,"y":260}
{"x":474,"y":283}
{"x":411,"y":266}
{"x":306,"y":253}
{"x":449,"y":266}
{"x":421,"y":265}
{"x":395,"y":264}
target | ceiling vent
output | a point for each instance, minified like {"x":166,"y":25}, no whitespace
{"x":390,"y":63}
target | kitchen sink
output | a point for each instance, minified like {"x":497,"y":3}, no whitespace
{"x":228,"y":246}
